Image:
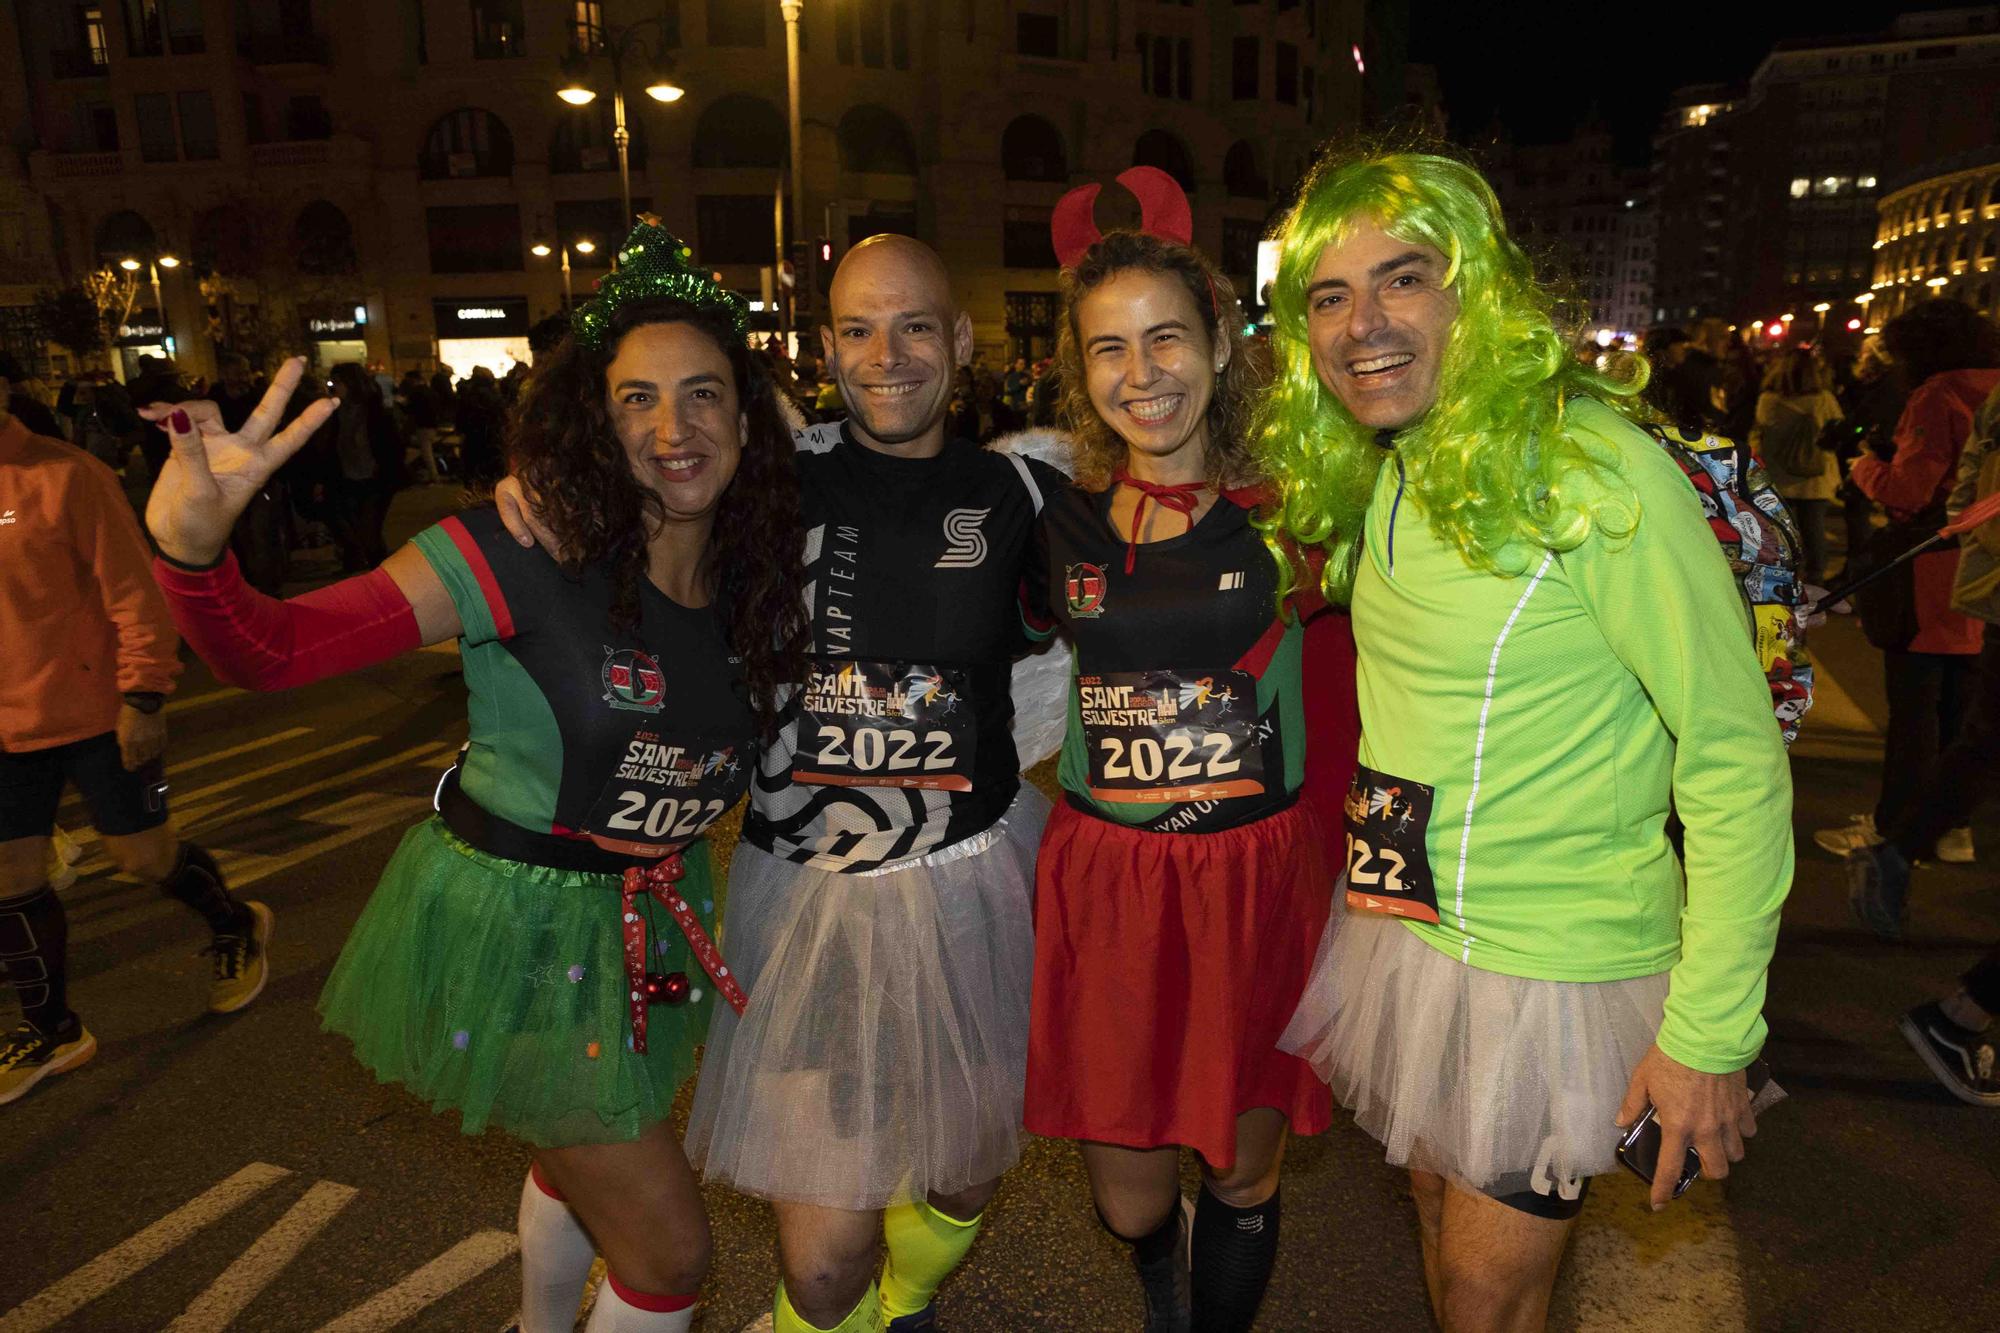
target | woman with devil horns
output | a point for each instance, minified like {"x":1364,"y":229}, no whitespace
{"x":1181,"y":886}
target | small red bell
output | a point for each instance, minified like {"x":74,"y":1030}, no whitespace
{"x":654,"y":987}
{"x":675,"y":988}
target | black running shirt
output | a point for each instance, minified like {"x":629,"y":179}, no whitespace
{"x":1185,"y":710}
{"x":900,"y":743}
{"x":639,"y":736}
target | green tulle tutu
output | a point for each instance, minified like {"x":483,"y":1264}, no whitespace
{"x":498,"y":989}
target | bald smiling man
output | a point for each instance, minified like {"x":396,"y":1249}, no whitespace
{"x":880,"y":906}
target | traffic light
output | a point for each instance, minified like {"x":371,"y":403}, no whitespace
{"x":825,"y":250}
{"x":823,"y":271}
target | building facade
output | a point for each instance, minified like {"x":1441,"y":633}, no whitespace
{"x":397,"y":180}
{"x":1694,"y":199}
{"x":1939,"y":235}
{"x":1581,"y":217}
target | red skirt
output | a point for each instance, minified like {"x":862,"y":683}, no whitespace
{"x":1166,"y":966}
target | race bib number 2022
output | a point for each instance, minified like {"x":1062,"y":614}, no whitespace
{"x":885,"y":724}
{"x":1171,"y":737}
{"x":1388,"y":861}
{"x":665,"y":792}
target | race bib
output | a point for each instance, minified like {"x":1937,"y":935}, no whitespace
{"x":886,"y":724}
{"x":1388,"y":865}
{"x":665,"y":792}
{"x":1172,"y":737}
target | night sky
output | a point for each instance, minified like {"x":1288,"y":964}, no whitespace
{"x":1540,"y":67}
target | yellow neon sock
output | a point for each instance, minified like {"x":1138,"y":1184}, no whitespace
{"x":924,"y":1246}
{"x":866,"y":1317}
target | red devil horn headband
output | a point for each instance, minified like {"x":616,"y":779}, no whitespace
{"x":1163,"y":212}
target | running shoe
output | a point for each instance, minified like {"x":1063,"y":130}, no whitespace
{"x":63,"y":856}
{"x":242,"y":963}
{"x":923,"y":1321}
{"x":1878,"y":888}
{"x":27,"y":1056}
{"x":1955,"y":848}
{"x":1859,"y":831}
{"x":1961,"y":1058}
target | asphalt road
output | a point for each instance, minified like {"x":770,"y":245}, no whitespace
{"x":208,"y":1169}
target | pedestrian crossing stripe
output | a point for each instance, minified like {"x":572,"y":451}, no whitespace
{"x":225,"y":1298}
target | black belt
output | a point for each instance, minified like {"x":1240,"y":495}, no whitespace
{"x":487,"y":832}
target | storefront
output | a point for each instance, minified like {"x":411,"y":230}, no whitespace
{"x":142,"y":334}
{"x":489,"y":331}
{"x":339,"y":334}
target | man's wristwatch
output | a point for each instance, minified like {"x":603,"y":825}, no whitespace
{"x":146,"y":701}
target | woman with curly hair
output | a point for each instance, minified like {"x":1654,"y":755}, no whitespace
{"x":509,"y":961}
{"x":1181,"y":887}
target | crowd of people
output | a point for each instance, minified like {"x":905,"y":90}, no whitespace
{"x":1351,"y":620}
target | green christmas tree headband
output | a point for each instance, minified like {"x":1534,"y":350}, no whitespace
{"x":654,"y":264}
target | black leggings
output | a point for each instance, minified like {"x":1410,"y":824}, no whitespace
{"x":1982,"y":983}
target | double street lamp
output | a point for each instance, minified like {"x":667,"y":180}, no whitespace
{"x":154,"y":265}
{"x":615,"y":45}
{"x":582,"y":245}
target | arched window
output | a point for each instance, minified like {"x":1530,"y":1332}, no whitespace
{"x":467,"y":142}
{"x":1157,"y":148}
{"x":1993,"y":192}
{"x":1240,"y":174}
{"x":1986,"y":250}
{"x":875,"y":139}
{"x":125,"y":235}
{"x":582,"y":141}
{"x":740,"y":130}
{"x":323,"y":240}
{"x":1031,"y":150}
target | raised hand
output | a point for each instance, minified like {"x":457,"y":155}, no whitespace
{"x":214,"y":472}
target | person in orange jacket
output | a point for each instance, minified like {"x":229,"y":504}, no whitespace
{"x":90,"y":661}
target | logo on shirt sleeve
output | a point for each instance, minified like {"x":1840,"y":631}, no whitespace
{"x":965,"y":542}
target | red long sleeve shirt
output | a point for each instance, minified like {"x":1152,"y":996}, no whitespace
{"x":81,"y":620}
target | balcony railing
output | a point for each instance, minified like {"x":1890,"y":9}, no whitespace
{"x":282,"y":48}
{"x":293,"y":153}
{"x":73,"y":166}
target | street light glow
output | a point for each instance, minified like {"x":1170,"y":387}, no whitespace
{"x":578,"y":95}
{"x":666,"y":90}
{"x":129,"y":265}
{"x":585,"y":247}
{"x":540,"y":249}
{"x":1822,"y":307}
{"x":169,"y":261}
{"x":1937,"y":282}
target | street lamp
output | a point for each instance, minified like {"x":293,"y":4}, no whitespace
{"x":801,"y":288}
{"x":583,"y":246}
{"x":615,"y":45}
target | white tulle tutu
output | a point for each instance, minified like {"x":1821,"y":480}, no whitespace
{"x":885,"y":1045}
{"x":1502,"y":1083}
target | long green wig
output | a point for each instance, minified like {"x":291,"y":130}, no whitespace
{"x":1487,"y":464}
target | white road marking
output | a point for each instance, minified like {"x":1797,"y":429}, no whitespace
{"x":254,"y":1269}
{"x":188,"y":705}
{"x":1630,"y":1268}
{"x":417,"y":756}
{"x":441,"y":1276}
{"x":64,"y":1297}
{"x":72,"y":804}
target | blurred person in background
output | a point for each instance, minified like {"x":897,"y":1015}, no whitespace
{"x":481,"y":418}
{"x":420,"y":419}
{"x":21,"y":402}
{"x":259,"y":536}
{"x":1950,"y":356}
{"x":367,"y":469}
{"x":1873,"y":402}
{"x":1792,"y":414}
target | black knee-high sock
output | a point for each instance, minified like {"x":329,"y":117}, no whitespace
{"x":1161,"y":1256}
{"x":34,"y":947}
{"x":197,"y":881}
{"x":1234,"y":1249}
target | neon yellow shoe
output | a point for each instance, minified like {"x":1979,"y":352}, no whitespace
{"x":27,"y":1056}
{"x":242,"y":963}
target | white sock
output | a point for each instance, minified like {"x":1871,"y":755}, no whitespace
{"x":614,"y":1313}
{"x":556,"y":1255}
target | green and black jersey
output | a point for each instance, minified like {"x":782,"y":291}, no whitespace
{"x":1185,"y":716}
{"x":644,"y":735}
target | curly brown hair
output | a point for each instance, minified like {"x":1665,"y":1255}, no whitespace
{"x":563,"y":448}
{"x":1097,"y":453}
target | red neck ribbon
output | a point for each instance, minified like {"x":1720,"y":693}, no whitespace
{"x":1181,"y":498}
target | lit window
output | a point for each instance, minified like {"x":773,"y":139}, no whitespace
{"x":1800,"y":185}
{"x":1866,"y":183}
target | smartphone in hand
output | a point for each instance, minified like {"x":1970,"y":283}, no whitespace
{"x":1639,"y":1149}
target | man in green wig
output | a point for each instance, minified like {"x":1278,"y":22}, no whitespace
{"x":1553,"y":659}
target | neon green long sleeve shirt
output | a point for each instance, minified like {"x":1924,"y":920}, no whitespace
{"x":1558,"y":715}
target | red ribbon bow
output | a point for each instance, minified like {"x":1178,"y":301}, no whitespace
{"x":1181,"y":498}
{"x":657,"y":881}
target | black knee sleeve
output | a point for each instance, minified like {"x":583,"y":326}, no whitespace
{"x":34,"y":948}
{"x":1161,"y":1257}
{"x":1234,"y":1249}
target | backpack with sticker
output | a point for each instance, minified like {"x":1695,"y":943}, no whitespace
{"x":1761,"y":539}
